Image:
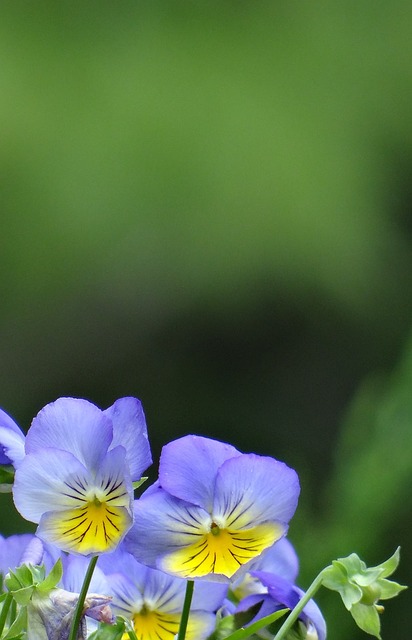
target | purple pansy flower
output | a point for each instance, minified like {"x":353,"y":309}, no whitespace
{"x":153,"y":600}
{"x":213,"y":509}
{"x":76,"y":477}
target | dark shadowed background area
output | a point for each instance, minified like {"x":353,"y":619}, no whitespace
{"x":209,"y":206}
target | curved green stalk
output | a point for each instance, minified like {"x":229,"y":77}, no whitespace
{"x":294,"y":614}
{"x":186,"y":609}
{"x":246,"y":632}
{"x":82,"y":597}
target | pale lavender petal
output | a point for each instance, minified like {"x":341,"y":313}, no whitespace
{"x":122,"y":562}
{"x":209,"y":596}
{"x":267,"y":605}
{"x":113,"y":482}
{"x":280,"y":559}
{"x":127,"y":599}
{"x":74,"y":572}
{"x":8,"y":422}
{"x":11,"y":440}
{"x":73,"y":425}
{"x":188,"y":468}
{"x":130,"y":431}
{"x":43,"y":482}
{"x":11,"y":447}
{"x":281,"y":591}
{"x":252,"y":489}
{"x":51,"y":554}
{"x":34,"y":552}
{"x":12,"y":550}
{"x":163,"y":524}
{"x":163,"y":592}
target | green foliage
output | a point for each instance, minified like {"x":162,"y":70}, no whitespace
{"x":110,"y":632}
{"x":6,"y":478}
{"x":362,"y":588}
{"x":24,"y":580}
{"x":23,"y":583}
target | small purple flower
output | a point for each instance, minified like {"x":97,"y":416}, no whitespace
{"x":280,"y":594}
{"x":213,"y":509}
{"x":153,"y":600}
{"x":76,"y":477}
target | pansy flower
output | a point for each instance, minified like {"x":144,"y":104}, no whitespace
{"x":281,"y":593}
{"x":270,"y":586}
{"x":153,"y":601}
{"x":213,"y":509}
{"x":76,"y":477}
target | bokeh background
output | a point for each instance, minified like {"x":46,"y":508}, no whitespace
{"x":208,"y":205}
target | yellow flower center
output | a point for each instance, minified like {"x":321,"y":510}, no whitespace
{"x":153,"y":625}
{"x":221,"y":551}
{"x":95,"y":526}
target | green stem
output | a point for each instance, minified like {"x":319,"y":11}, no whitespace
{"x":246,"y":632}
{"x":294,"y":614}
{"x":132,"y":634}
{"x":82,"y":597}
{"x":3,"y":615}
{"x":186,"y":609}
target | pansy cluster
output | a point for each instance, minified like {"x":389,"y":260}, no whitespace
{"x":201,"y":554}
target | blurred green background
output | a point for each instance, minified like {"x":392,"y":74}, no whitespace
{"x":209,"y":206}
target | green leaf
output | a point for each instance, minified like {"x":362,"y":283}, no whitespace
{"x":389,"y":566}
{"x":390,"y":589}
{"x":22,"y":596}
{"x":53,"y":578}
{"x":138,"y":483}
{"x":247,"y":632}
{"x":224,"y":627}
{"x":18,"y":626}
{"x":367,"y":619}
{"x":38,"y":573}
{"x":19,"y":578}
{"x":109,"y":631}
{"x":243,"y":618}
